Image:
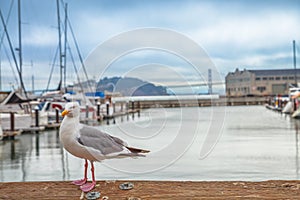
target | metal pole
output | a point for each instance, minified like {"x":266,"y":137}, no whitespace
{"x":20,"y":36}
{"x":294,"y":58}
{"x":59,"y":44}
{"x":114,"y":107}
{"x":86,"y":111}
{"x":13,"y":53}
{"x":65,"y":50}
{"x":209,"y":81}
{"x":0,"y":73}
{"x":20,"y":49}
{"x":32,"y":77}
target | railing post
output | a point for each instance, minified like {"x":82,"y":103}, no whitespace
{"x":114,"y":107}
{"x":132,"y":106}
{"x":139,"y":108}
{"x":98,"y":110}
{"x":86,"y":111}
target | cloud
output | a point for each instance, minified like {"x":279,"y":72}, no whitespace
{"x":249,"y":33}
{"x":231,"y":31}
{"x":234,"y":33}
{"x":40,"y":36}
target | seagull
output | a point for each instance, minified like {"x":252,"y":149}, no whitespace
{"x":90,"y":143}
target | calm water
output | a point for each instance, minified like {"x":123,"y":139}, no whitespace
{"x":252,"y":143}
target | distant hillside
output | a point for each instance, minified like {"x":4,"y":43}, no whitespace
{"x":130,"y":87}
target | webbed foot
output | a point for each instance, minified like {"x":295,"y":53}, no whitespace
{"x":88,"y":186}
{"x":79,"y":182}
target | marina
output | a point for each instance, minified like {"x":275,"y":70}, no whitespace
{"x":265,"y":156}
{"x":152,"y":105}
{"x":247,"y":150}
{"x":18,"y":115}
{"x":13,"y":123}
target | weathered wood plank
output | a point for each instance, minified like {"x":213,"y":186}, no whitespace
{"x":156,"y":190}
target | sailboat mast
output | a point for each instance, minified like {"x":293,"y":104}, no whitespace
{"x":20,"y":36}
{"x":0,"y":72}
{"x":59,"y":44}
{"x":32,"y":78}
{"x":20,"y":49}
{"x":65,"y":46}
{"x":294,"y":58}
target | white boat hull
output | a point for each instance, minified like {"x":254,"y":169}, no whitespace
{"x":288,"y":108}
{"x":296,"y":114}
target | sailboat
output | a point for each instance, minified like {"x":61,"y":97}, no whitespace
{"x":294,"y":93}
{"x":56,"y":99}
{"x":295,"y":100}
{"x":17,"y":101}
{"x":51,"y":100}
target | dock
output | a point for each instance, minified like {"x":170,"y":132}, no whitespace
{"x":121,"y":106}
{"x":189,"y":101}
{"x":64,"y":190}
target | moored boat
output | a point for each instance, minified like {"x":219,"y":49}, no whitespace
{"x":290,"y":107}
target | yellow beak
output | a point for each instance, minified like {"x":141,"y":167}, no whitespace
{"x":65,"y":112}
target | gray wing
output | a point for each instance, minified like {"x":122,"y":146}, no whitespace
{"x":107,"y":144}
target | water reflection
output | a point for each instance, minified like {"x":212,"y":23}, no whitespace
{"x":37,"y":156}
{"x":297,"y":126}
{"x":294,"y":125}
{"x":256,"y":145}
{"x":37,"y":144}
{"x":30,"y":153}
{"x":112,"y":120}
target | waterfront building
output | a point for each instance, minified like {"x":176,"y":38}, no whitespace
{"x":260,"y":82}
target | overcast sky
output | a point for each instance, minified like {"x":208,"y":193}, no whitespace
{"x":233,"y":33}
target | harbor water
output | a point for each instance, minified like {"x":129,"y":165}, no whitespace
{"x":250,"y":143}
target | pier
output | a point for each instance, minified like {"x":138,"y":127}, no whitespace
{"x":64,"y":190}
{"x":189,"y":101}
{"x":121,"y":106}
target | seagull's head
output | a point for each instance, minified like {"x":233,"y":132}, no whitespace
{"x":72,"y":109}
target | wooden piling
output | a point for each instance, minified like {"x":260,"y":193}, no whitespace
{"x":56,"y":115}
{"x":36,"y":110}
{"x":127,"y":110}
{"x":132,"y":105}
{"x":12,"y":121}
{"x":12,"y":126}
{"x":107,"y":109}
{"x":98,"y":110}
{"x":139,"y":108}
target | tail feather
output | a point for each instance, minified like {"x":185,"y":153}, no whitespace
{"x":136,"y":150}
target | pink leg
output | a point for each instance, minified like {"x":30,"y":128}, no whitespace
{"x":89,"y":186}
{"x":84,"y":180}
